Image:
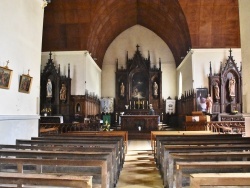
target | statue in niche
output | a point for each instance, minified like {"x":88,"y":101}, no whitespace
{"x":216,"y":91}
{"x":49,"y":88}
{"x":209,"y":102}
{"x":63,"y":92}
{"x":155,"y":89}
{"x":231,"y":87}
{"x":122,"y":90}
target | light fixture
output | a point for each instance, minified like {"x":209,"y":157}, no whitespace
{"x":45,"y":3}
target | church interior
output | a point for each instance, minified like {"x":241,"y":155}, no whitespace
{"x":136,"y":73}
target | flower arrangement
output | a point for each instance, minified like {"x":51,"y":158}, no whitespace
{"x":235,"y":112}
{"x":106,"y":126}
{"x":46,"y":110}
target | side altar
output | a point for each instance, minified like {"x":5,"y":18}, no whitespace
{"x":139,"y":123}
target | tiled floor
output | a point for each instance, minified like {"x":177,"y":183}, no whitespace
{"x":139,"y":170}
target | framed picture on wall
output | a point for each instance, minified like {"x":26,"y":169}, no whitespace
{"x":201,"y":99}
{"x":5,"y":77}
{"x":25,"y":83}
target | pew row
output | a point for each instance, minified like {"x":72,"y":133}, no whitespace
{"x":184,"y":168}
{"x":219,"y":179}
{"x":89,"y":138}
{"x":124,"y":134}
{"x":161,"y":140}
{"x":58,"y":167}
{"x":188,"y":149}
{"x":78,"y":143}
{"x":154,"y":134}
{"x":201,"y":156}
{"x":78,"y":151}
{"x":19,"y":179}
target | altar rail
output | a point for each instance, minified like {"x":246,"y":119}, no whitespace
{"x":58,"y":128}
{"x":226,"y":126}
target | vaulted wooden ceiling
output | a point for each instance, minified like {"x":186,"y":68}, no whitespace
{"x":92,"y":25}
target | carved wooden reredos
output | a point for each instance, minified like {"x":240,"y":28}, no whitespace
{"x":138,"y":85}
{"x":226,"y":101}
{"x":56,"y":103}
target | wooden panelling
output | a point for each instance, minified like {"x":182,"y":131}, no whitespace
{"x":93,"y":24}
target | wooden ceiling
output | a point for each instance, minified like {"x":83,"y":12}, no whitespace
{"x":71,"y":25}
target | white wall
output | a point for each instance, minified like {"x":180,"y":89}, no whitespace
{"x":148,"y":41}
{"x":84,"y":72}
{"x":21,"y":39}
{"x":201,"y":65}
{"x":195,"y":67}
{"x":186,"y":70}
{"x":244,"y":7}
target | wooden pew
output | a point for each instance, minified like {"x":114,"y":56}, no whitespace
{"x":188,"y":149}
{"x":89,"y":157}
{"x":219,"y":179}
{"x":97,"y":138}
{"x":87,"y":150}
{"x":73,"y":143}
{"x":45,"y":180}
{"x":204,"y":141}
{"x":124,"y":134}
{"x":201,"y":156}
{"x":59,"y":167}
{"x":154,"y":134}
{"x":161,"y":140}
{"x":183,"y":168}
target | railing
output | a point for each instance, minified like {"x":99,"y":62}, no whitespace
{"x":226,"y":126}
{"x":58,"y":128}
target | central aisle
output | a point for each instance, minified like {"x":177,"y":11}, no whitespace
{"x":139,"y":169}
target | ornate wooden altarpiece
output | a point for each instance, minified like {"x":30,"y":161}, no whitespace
{"x":225,"y":101}
{"x":138,"y":85}
{"x":55,"y":104}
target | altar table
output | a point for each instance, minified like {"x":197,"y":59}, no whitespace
{"x":140,"y":123}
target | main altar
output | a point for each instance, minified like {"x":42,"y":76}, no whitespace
{"x":138,"y":84}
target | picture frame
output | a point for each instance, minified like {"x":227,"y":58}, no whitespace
{"x":201,"y":98}
{"x":25,"y":83}
{"x":5,"y":77}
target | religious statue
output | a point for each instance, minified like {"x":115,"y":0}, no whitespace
{"x":122,"y":89}
{"x":49,"y":88}
{"x":63,"y":92}
{"x":231,"y":87}
{"x":209,"y":102}
{"x":216,"y":91}
{"x":151,"y":110}
{"x":155,"y":89}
